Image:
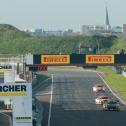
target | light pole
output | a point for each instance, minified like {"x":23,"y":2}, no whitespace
{"x":80,"y":48}
{"x":98,"y":46}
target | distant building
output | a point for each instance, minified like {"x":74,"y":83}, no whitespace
{"x":29,"y":31}
{"x":124,"y":29}
{"x":68,"y":32}
{"x":97,"y":29}
{"x":38,"y":31}
{"x":92,"y":29}
{"x":117,"y":29}
{"x":41,"y":32}
{"x":52,"y":33}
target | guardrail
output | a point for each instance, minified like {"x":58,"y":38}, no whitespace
{"x":124,"y":73}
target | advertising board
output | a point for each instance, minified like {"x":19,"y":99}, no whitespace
{"x":99,"y":59}
{"x":17,"y":97}
{"x":55,"y":59}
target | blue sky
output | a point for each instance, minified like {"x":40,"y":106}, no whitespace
{"x":60,"y":14}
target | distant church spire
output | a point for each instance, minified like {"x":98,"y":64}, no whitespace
{"x":108,"y":27}
{"x":107,"y":17}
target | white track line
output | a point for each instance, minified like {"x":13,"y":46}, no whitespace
{"x":50,"y":107}
{"x":42,"y":94}
{"x":111,"y":89}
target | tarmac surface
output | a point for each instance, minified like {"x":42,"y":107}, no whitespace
{"x":5,"y":119}
{"x":73,"y":101}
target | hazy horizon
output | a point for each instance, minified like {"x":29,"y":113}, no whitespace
{"x":60,"y":14}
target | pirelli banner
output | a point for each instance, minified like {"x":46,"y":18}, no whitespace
{"x":80,"y":59}
{"x":51,"y":59}
{"x":55,"y":59}
{"x":99,"y":59}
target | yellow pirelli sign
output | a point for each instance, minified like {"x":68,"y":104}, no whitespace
{"x":55,"y":59}
{"x":99,"y":59}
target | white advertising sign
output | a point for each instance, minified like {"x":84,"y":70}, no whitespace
{"x":18,"y":98}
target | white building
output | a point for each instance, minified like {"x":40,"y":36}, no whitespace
{"x":117,"y":29}
{"x":92,"y":29}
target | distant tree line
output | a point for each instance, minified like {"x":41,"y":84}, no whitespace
{"x":13,"y":41}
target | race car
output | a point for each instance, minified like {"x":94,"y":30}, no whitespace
{"x":111,"y":105}
{"x":98,"y":88}
{"x":101,"y":99}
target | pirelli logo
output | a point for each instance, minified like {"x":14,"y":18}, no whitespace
{"x":55,"y":59}
{"x":99,"y":59}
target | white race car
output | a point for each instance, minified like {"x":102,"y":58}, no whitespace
{"x":101,"y":99}
{"x":98,"y":88}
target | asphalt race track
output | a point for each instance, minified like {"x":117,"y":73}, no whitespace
{"x":73,"y":101}
{"x":4,"y":120}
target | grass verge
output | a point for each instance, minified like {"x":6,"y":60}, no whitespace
{"x":116,"y":81}
{"x":40,"y":77}
{"x":63,"y":67}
